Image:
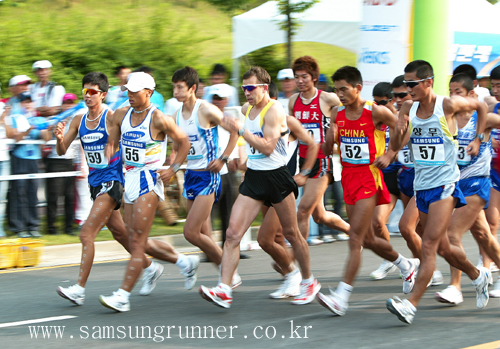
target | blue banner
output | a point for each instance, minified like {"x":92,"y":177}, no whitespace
{"x":480,"y":50}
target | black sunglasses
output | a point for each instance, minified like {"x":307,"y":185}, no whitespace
{"x":400,"y":94}
{"x":412,"y":84}
{"x":382,"y":101}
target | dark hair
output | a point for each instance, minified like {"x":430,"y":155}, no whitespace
{"x":119,"y":69}
{"x":308,"y":64}
{"x":260,"y":73}
{"x":201,"y":81}
{"x":398,"y":81}
{"x":97,"y":78}
{"x":273,"y":90}
{"x":382,"y":89}
{"x":218,"y":69}
{"x":350,"y":74}
{"x":188,"y":75}
{"x":464,"y":79}
{"x":495,"y":73}
{"x":421,"y":68}
{"x":145,"y":69}
{"x":466,"y":69}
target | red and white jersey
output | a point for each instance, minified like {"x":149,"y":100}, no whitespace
{"x":313,"y":120}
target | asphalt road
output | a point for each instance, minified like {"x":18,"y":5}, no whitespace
{"x":254,"y":320}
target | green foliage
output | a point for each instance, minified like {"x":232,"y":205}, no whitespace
{"x":289,"y":9}
{"x":235,"y":6}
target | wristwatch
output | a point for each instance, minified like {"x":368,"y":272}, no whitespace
{"x":480,"y":136}
{"x":175,"y":167}
{"x":305,"y":172}
{"x":224,"y":158}
{"x":241,"y":131}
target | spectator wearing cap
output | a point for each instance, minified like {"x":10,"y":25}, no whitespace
{"x":17,"y":85}
{"x":288,"y":87}
{"x":219,"y":76}
{"x":4,"y":167}
{"x":323,"y":84}
{"x":115,"y":94}
{"x":61,"y":186}
{"x":23,"y":200}
{"x":47,"y":95}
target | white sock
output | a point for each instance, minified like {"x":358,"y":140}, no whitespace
{"x":151,"y":268}
{"x":123,"y":293}
{"x":81,"y":289}
{"x":226,"y":288}
{"x":402,"y":263}
{"x":308,"y":281}
{"x":182,"y":262}
{"x":344,"y":291}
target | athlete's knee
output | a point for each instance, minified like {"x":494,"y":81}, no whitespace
{"x":482,"y":237}
{"x":191,"y":236}
{"x":266,"y":241}
{"x":378,"y":225}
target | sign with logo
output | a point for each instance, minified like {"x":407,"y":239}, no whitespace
{"x":480,"y":50}
{"x":384,"y":38}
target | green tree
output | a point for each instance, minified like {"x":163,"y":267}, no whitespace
{"x":291,"y":23}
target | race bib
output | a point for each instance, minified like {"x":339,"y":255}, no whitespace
{"x":252,"y":152}
{"x":462,"y":157}
{"x":134,"y":153}
{"x":428,"y":151}
{"x":404,"y":157}
{"x":96,"y":158}
{"x":195,"y":152}
{"x":314,"y":131}
{"x":355,"y":150}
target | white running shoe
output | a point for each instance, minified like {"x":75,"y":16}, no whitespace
{"x":495,"y":293}
{"x":383,"y":270}
{"x":307,"y":292}
{"x":71,"y":294}
{"x":236,"y":281}
{"x":410,"y":275}
{"x":342,"y":237}
{"x":290,"y":287}
{"x":327,"y":239}
{"x":481,"y":284}
{"x":402,"y":308}
{"x":333,"y":303}
{"x":116,"y":302}
{"x":450,"y":295}
{"x":149,"y":279}
{"x":315,"y":242}
{"x":437,"y":278}
{"x":479,"y":262}
{"x":217,"y":296}
{"x":191,"y":273}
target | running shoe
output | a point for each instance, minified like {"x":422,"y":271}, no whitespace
{"x":333,"y":303}
{"x":450,"y":295}
{"x":481,"y":284}
{"x":437,"y":278}
{"x":402,"y":308}
{"x":385,"y":268}
{"x":149,"y":279}
{"x":236,"y":281}
{"x":71,"y":294}
{"x":495,"y":293}
{"x":217,"y":295}
{"x":191,"y":273}
{"x":290,"y":287}
{"x":116,"y":302}
{"x":314,"y":242}
{"x":327,"y":239}
{"x":410,"y":275}
{"x":307,"y":292}
{"x":342,"y":237}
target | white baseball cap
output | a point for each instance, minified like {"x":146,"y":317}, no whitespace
{"x":285,"y":74}
{"x":42,"y":65}
{"x":139,"y":81}
{"x":221,"y":90}
{"x":19,"y":80}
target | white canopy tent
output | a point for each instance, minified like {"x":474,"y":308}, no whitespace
{"x":333,"y":22}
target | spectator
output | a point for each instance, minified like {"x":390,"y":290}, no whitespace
{"x":22,"y":203}
{"x":61,"y":186}
{"x":115,"y":95}
{"x":288,"y":86}
{"x":47,"y":95}
{"x":4,"y":167}
{"x":17,"y":85}
{"x":200,"y":89}
{"x":219,"y":76}
{"x":323,"y":83}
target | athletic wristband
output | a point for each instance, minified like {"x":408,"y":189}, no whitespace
{"x":175,"y":167}
{"x":305,"y":172}
{"x":241,"y":131}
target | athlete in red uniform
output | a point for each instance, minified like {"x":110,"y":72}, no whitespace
{"x":312,"y":108}
{"x":357,"y":127}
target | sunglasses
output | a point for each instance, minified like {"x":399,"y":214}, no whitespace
{"x":250,"y":88}
{"x":90,"y":91}
{"x":382,"y":101}
{"x":412,"y":84}
{"x":400,"y":94}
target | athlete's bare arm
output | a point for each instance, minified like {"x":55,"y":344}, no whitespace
{"x":214,"y":116}
{"x":163,"y":127}
{"x":275,"y":124}
{"x":312,"y":147}
{"x":291,"y":103}
{"x":384,"y":116}
{"x":456,"y":104}
{"x":331,"y":134}
{"x":492,"y":121}
{"x":401,"y":135}
{"x":490,"y":101}
{"x":328,"y":101}
{"x":63,"y":141}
